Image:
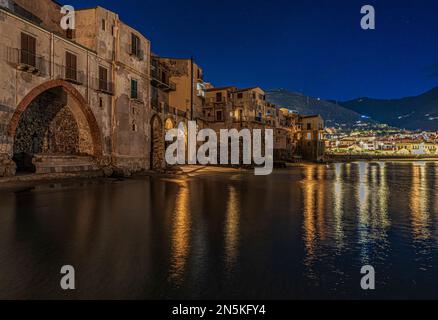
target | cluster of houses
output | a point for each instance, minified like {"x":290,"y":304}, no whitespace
{"x":97,"y":97}
{"x":401,"y":144}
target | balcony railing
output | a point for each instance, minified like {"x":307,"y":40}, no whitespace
{"x":158,"y":106}
{"x":103,"y":86}
{"x":159,"y":82}
{"x":136,"y":52}
{"x":70,"y":74}
{"x":28,"y":61}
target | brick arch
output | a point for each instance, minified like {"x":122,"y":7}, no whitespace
{"x":75,"y":94}
{"x":169,"y":120}
{"x":157,"y":143}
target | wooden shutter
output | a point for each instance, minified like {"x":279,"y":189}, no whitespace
{"x":103,"y":79}
{"x":71,"y":66}
{"x":134,"y":89}
{"x":28,"y":50}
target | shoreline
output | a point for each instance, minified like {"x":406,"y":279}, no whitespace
{"x":352,"y":158}
{"x":25,"y":182}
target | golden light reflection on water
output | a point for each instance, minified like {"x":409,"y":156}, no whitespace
{"x":320,"y":201}
{"x":338,"y":196}
{"x":363,"y":205}
{"x":180,"y":234}
{"x":419,"y":200}
{"x":383,"y":197}
{"x":232,"y":228}
{"x":325,"y":215}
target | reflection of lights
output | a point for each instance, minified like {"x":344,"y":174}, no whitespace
{"x":348,"y":168}
{"x":363,"y":196}
{"x":321,"y":201}
{"x":232,"y":228}
{"x":309,"y":212}
{"x":338,"y":204}
{"x":363,"y":186}
{"x":419,"y":201}
{"x":181,"y":233}
{"x":383,"y":197}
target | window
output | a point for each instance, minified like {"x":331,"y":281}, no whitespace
{"x":218,"y":115}
{"x":134,"y":126}
{"x":219,"y":97}
{"x":309,"y":136}
{"x":309,"y":126}
{"x":135,"y":46}
{"x":103,"y":25}
{"x":69,"y":33}
{"x":103,"y":79}
{"x":71,"y":72}
{"x":101,"y":103}
{"x":134,"y":89}
{"x":28,"y":50}
{"x":240,"y":96}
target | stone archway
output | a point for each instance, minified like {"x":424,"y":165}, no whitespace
{"x":80,"y":106}
{"x":169,"y":124}
{"x":157,"y":144}
{"x":54,"y":126}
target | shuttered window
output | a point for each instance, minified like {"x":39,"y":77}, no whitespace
{"x":103,"y":79}
{"x":28,"y":50}
{"x":135,"y":46}
{"x":71,"y":66}
{"x":134,"y":89}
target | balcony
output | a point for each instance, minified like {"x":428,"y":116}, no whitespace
{"x":103,"y":86}
{"x":136,"y":52}
{"x":72,"y":75}
{"x":27,"y":61}
{"x":161,"y":82}
{"x":158,"y":106}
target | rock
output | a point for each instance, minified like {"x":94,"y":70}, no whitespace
{"x":108,"y":171}
{"x":7,"y":166}
{"x":121,"y":173}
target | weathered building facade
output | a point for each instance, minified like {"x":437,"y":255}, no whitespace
{"x":312,"y":146}
{"x":233,"y":108}
{"x":95,"y":97}
{"x":72,"y":102}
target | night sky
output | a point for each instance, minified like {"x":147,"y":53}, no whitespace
{"x":315,"y":47}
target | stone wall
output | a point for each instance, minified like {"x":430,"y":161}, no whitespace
{"x":48,"y":125}
{"x":157,"y":149}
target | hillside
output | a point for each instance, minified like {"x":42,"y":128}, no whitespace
{"x":333,"y":114}
{"x":420,"y":112}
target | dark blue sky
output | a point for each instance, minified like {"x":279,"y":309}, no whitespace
{"x":315,"y":47}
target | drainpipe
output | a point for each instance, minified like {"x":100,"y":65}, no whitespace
{"x":191,"y":88}
{"x":116,"y":43}
{"x":52,"y":56}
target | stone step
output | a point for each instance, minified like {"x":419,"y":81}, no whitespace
{"x":64,"y":164}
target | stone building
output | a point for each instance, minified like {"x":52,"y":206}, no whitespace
{"x":95,"y":97}
{"x":312,"y":145}
{"x":72,"y":101}
{"x":233,"y":108}
{"x":189,"y":98}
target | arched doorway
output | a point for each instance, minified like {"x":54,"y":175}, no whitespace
{"x":52,"y":121}
{"x":157,"y":144}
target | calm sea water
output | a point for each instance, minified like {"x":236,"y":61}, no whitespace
{"x":300,"y":233}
